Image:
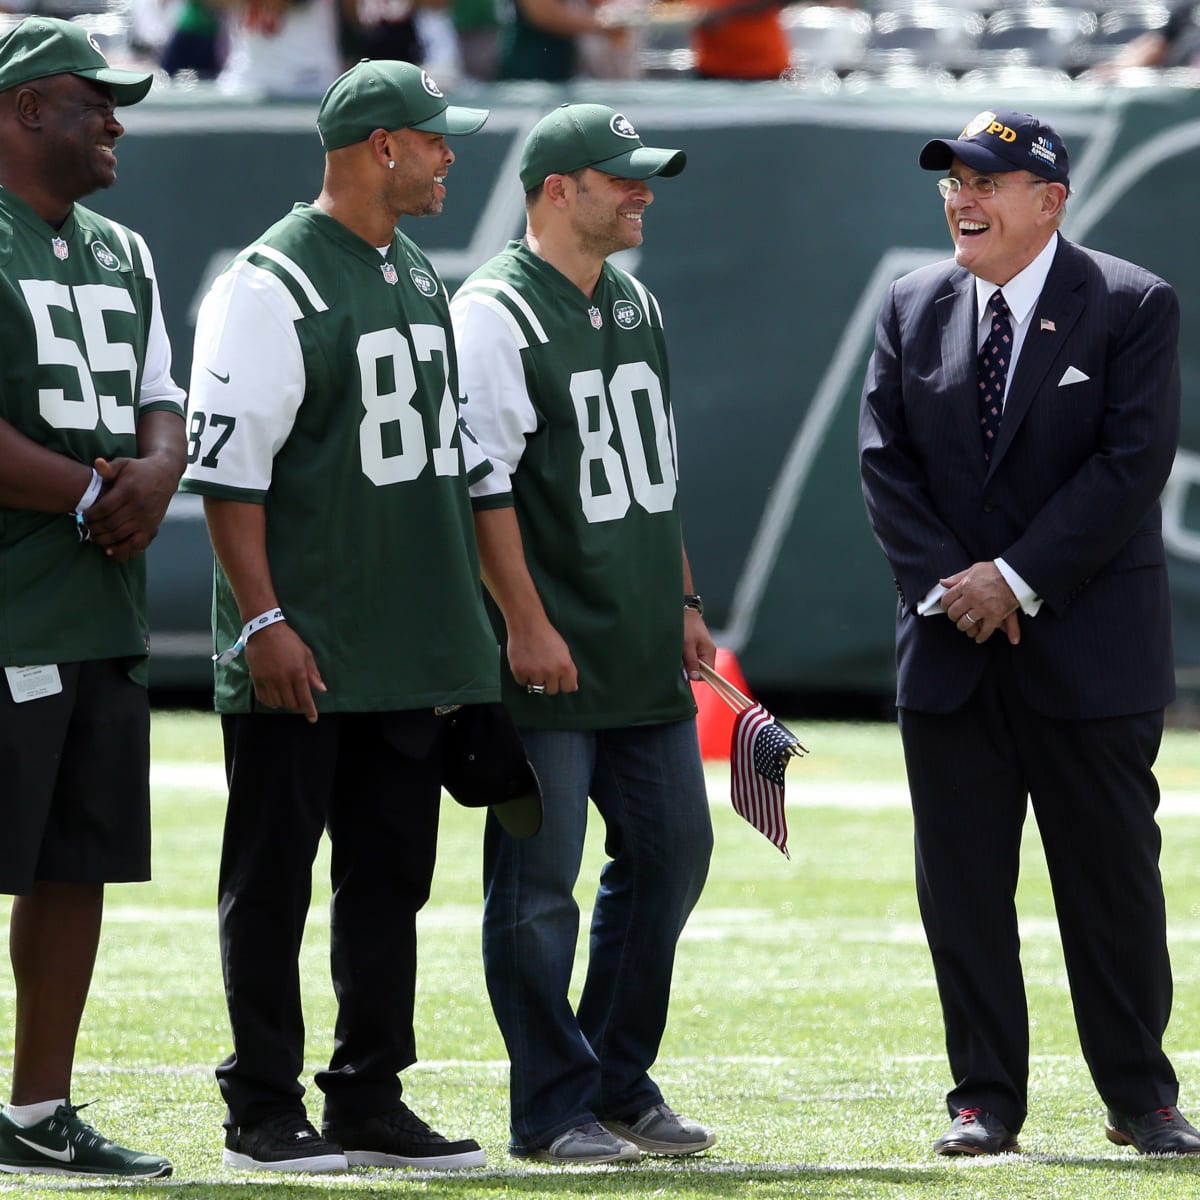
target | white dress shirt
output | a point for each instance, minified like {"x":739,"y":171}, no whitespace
{"x":1021,"y":294}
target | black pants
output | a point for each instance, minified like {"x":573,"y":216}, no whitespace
{"x":373,"y":781}
{"x":972,"y":773}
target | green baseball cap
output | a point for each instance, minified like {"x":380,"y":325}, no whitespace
{"x":591,"y":135}
{"x":388,"y":94}
{"x":42,"y":46}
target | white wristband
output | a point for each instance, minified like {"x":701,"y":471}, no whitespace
{"x":91,"y":495}
{"x":250,"y":628}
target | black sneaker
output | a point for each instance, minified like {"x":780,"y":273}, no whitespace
{"x":285,"y":1142}
{"x":401,"y":1139}
{"x":65,"y":1145}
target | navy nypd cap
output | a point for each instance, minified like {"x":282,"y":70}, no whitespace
{"x":1003,"y":141}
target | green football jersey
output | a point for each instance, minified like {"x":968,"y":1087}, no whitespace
{"x":82,"y":353}
{"x":324,"y":387}
{"x":570,"y":399}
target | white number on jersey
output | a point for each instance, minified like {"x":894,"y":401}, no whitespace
{"x":634,"y":395}
{"x":383,"y":408}
{"x":89,"y":302}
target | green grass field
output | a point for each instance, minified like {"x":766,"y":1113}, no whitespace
{"x":805,"y":1024}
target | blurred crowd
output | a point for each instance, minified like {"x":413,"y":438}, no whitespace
{"x":295,"y":48}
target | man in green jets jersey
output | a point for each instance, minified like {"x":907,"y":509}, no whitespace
{"x":91,"y":448}
{"x":325,"y":438}
{"x":564,"y":366}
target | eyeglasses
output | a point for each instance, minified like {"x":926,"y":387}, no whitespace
{"x":984,"y":186}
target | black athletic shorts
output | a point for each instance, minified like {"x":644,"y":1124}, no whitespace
{"x":75,"y":780}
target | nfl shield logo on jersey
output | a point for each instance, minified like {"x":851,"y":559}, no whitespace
{"x":60,"y":248}
{"x":595,"y":317}
{"x":389,"y":273}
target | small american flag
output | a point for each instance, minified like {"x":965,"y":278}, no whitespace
{"x":1047,"y":326}
{"x":757,"y":759}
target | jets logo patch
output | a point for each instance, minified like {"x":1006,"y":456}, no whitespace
{"x":622,"y":127}
{"x":105,"y":257}
{"x":431,"y":87}
{"x":627,"y":314}
{"x":426,"y":284}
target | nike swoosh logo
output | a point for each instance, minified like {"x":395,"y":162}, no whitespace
{"x":219,"y":378}
{"x":66,"y":1154}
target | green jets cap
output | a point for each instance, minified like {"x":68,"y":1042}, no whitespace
{"x":591,"y":135}
{"x":388,"y":94}
{"x":41,"y":46}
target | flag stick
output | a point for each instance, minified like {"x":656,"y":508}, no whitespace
{"x":724,"y":688}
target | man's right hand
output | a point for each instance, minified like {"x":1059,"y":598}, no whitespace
{"x":283,"y":670}
{"x":541,"y":656}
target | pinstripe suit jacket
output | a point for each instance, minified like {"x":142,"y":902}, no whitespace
{"x":1069,"y":499}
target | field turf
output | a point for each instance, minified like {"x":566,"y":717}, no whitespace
{"x":805,"y":1025}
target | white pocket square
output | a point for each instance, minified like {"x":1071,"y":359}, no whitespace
{"x":1073,"y":375}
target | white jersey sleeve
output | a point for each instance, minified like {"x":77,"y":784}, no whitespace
{"x":496,"y":403}
{"x":247,"y":381}
{"x":157,"y":385}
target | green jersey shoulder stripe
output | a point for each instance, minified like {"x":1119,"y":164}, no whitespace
{"x":504,"y":299}
{"x":288,"y":272}
{"x":262,"y":274}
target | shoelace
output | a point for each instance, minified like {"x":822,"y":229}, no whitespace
{"x":968,"y":1116}
{"x":292,"y":1124}
{"x":81,"y":1129}
{"x":1166,"y":1114}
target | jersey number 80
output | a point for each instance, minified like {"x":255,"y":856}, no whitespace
{"x":646,"y":439}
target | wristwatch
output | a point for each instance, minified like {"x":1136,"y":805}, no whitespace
{"x":694,"y":602}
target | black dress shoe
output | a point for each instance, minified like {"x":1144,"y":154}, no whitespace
{"x":974,"y":1131}
{"x":1163,"y":1131}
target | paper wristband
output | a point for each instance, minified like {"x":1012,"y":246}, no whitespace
{"x":89,"y":497}
{"x":250,"y":628}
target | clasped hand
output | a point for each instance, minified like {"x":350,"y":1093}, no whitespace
{"x":979,"y":601}
{"x":132,"y":504}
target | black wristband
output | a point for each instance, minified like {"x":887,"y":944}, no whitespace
{"x":693,"y":601}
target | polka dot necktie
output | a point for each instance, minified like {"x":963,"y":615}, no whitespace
{"x":994,"y":358}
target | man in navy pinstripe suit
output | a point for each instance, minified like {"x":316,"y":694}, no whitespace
{"x":1019,"y":419}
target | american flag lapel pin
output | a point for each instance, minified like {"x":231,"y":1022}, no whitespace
{"x":1047,"y":326}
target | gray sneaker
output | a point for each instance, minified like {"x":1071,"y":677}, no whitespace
{"x":590,"y":1143}
{"x":659,"y":1130}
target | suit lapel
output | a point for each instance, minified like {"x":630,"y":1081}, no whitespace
{"x":1050,"y":324}
{"x":957,"y":322}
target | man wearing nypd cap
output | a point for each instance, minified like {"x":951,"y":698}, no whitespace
{"x":564,"y":366}
{"x":348,"y":622}
{"x":91,"y":448}
{"x":1019,"y":420}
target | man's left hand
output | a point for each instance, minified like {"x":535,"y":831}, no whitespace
{"x":698,"y":645}
{"x":979,"y":601}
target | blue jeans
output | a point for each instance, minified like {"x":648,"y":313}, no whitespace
{"x":569,"y":1067}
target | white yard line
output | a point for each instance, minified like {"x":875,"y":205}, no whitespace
{"x":802,"y":793}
